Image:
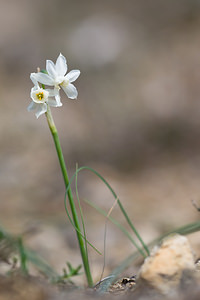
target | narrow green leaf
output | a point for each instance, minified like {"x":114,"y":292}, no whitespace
{"x":23,"y":257}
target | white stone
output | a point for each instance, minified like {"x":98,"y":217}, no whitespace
{"x":168,"y":264}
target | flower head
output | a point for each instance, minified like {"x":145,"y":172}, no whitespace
{"x":57,"y":76}
{"x":41,"y":97}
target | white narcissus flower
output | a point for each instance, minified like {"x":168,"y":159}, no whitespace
{"x":57,"y":76}
{"x":41,"y":97}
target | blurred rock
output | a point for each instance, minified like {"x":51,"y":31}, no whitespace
{"x":170,"y":267}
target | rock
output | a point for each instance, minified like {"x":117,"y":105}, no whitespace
{"x":170,"y":266}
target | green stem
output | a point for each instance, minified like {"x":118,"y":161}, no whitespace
{"x":70,"y":197}
{"x":23,"y":257}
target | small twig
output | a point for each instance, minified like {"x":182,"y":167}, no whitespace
{"x":195,"y":205}
{"x":105,"y":231}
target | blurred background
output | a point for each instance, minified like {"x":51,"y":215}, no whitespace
{"x":136,"y":120}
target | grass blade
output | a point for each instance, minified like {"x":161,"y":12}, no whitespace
{"x":23,"y":257}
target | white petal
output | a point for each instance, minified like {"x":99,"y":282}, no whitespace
{"x":32,"y":91}
{"x":57,"y":97}
{"x":55,"y":93}
{"x":32,"y":106}
{"x":53,"y":102}
{"x":44,"y":78}
{"x":61,"y":65}
{"x":32,"y":77}
{"x":52,"y":92}
{"x":72,"y":75}
{"x":71,"y":91}
{"x":51,"y":70}
{"x":41,"y":109}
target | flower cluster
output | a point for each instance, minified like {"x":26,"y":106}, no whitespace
{"x":56,"y":76}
